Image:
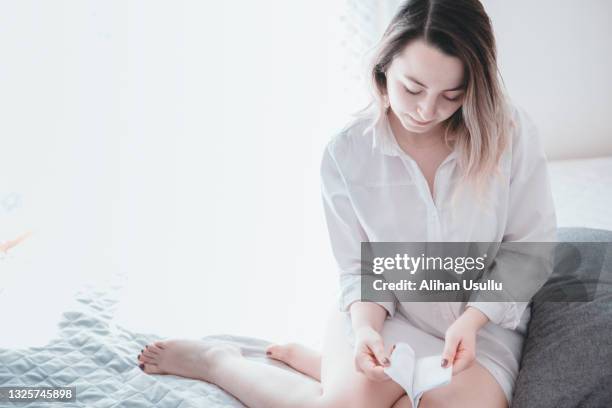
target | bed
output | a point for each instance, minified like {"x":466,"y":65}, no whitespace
{"x":97,"y":356}
{"x":582,"y":191}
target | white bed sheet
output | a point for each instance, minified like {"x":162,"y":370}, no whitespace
{"x":582,"y":191}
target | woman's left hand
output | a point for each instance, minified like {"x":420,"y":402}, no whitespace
{"x":460,"y":340}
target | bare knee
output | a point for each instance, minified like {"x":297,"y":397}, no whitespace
{"x":346,"y":402}
{"x":357,"y":399}
{"x":433,"y":399}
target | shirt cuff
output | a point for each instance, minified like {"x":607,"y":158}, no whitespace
{"x":504,"y":314}
{"x":345,"y":306}
{"x":345,"y":303}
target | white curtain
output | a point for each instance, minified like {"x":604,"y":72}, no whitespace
{"x":359,"y":25}
{"x":179,"y":143}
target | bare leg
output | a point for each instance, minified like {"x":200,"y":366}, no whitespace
{"x":403,"y":402}
{"x":467,"y":388}
{"x":296,"y":355}
{"x":264,"y":386}
{"x":255,"y":384}
{"x":474,"y":387}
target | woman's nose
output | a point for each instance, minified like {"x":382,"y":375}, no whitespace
{"x":426,"y":109}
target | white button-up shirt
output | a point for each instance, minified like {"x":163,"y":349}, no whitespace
{"x":374,"y":192}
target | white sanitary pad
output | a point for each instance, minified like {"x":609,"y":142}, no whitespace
{"x":417,"y":375}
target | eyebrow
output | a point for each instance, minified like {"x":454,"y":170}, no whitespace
{"x":457,"y":88}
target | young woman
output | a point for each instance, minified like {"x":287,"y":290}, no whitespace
{"x":438,"y":155}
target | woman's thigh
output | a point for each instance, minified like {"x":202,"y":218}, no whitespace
{"x":473,"y":387}
{"x":342,"y":384}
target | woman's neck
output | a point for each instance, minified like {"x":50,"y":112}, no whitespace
{"x":431,"y":138}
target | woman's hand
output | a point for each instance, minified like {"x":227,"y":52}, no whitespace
{"x":370,"y":356}
{"x":460,"y":340}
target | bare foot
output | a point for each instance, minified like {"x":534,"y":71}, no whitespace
{"x":186,"y":358}
{"x":298,"y":356}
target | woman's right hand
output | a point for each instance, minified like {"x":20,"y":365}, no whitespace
{"x":370,"y":356}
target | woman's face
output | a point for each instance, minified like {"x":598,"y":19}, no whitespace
{"x":425,"y":86}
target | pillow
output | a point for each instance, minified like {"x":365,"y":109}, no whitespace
{"x":567,"y":354}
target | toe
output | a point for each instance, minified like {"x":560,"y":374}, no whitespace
{"x":147,"y":352}
{"x":277,"y":351}
{"x":146,"y":359}
{"x":151,"y":369}
{"x":151,"y":348}
{"x":154,"y":349}
{"x":160,"y":344}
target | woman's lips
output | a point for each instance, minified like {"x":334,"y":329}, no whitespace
{"x":419,"y":122}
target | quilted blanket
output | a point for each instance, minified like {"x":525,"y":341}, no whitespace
{"x":98,"y":357}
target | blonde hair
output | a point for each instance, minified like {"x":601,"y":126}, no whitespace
{"x":480,"y":129}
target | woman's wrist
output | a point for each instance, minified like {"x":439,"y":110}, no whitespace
{"x":474,"y":318}
{"x":363,"y":331}
{"x":367,"y":315}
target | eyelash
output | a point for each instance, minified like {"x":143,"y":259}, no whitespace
{"x":455,"y":99}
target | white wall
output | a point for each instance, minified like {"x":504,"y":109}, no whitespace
{"x":556,"y":60}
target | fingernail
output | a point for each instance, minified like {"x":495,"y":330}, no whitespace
{"x":142,"y":350}
{"x":444,"y":363}
{"x":269,"y":353}
{"x":138,"y":358}
{"x":141,"y":366}
{"x":386,"y":361}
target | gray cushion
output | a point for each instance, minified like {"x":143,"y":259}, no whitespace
{"x":567,"y":355}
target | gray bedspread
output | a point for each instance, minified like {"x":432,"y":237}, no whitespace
{"x":99,"y":359}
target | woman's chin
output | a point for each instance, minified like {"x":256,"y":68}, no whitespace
{"x":416,"y":129}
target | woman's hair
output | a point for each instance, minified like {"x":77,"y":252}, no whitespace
{"x":460,"y":28}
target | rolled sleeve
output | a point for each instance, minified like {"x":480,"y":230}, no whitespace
{"x":346,"y":234}
{"x":531,"y":218}
{"x":504,"y":314}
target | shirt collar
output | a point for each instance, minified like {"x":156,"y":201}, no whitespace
{"x":383,"y":139}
